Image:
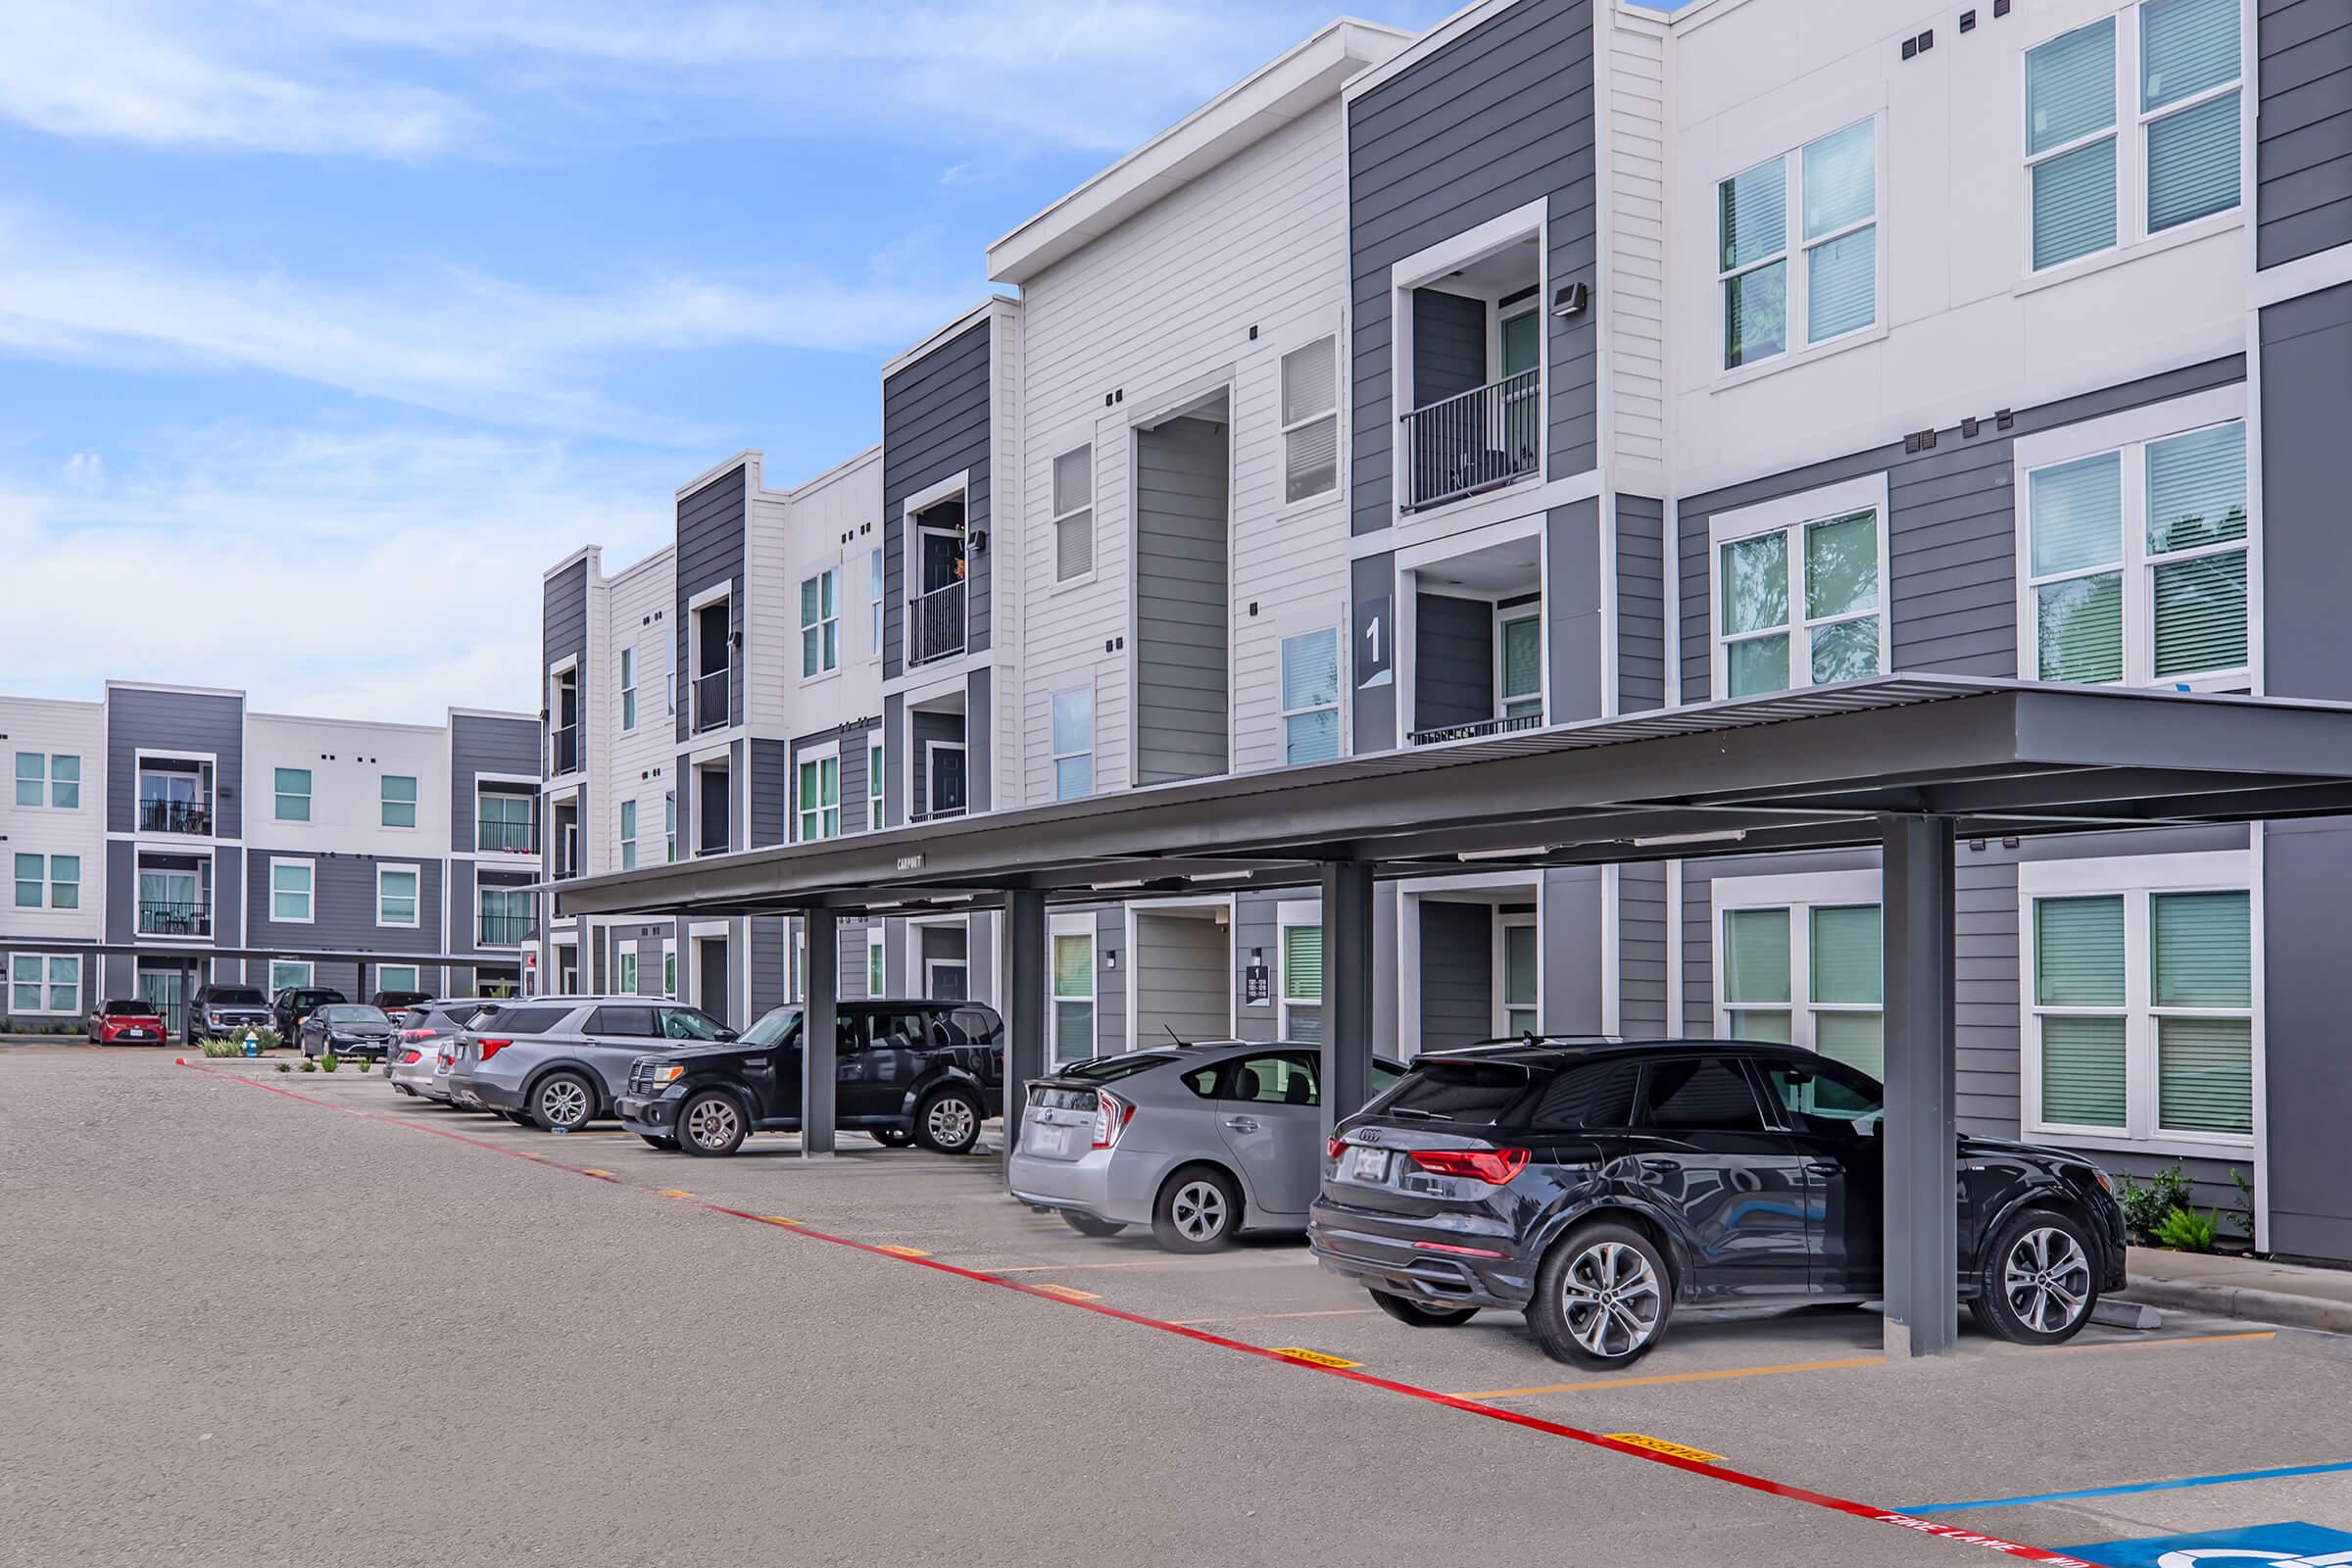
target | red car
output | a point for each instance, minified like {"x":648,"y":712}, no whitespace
{"x":119,"y":1020}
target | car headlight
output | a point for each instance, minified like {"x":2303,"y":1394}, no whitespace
{"x":2103,"y":1179}
{"x":670,"y":1074}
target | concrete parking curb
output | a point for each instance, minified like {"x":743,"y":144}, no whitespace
{"x":2243,"y":1301}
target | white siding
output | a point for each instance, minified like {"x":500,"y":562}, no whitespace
{"x":347,"y":761}
{"x":54,"y":729}
{"x":649,"y":588}
{"x":1633,"y":294}
{"x":834,"y":520}
{"x":770,"y":614}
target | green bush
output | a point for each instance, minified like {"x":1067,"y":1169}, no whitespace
{"x":266,"y":1039}
{"x":2184,"y":1230}
{"x":330,"y":1062}
{"x":2147,"y":1208}
{"x":285,"y":1067}
{"x":309,"y":1066}
{"x":2241,"y":1213}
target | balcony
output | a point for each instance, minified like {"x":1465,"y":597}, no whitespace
{"x":563,"y":751}
{"x":160,"y":814}
{"x":711,"y":700}
{"x":497,"y":837}
{"x":1471,"y":731}
{"x":508,"y":930}
{"x":175,"y":917}
{"x":1474,"y":441}
{"x":935,"y":625}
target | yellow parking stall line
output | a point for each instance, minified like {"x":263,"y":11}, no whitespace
{"x":676,"y":1192}
{"x":1068,"y":1292}
{"x":591,"y":1170}
{"x":778,"y":1219}
{"x":1676,"y":1377}
{"x":1322,"y":1358}
{"x":903,"y":1251}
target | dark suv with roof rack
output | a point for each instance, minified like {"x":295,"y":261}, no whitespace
{"x":1599,"y":1188}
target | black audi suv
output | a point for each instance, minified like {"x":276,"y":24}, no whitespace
{"x":1600,"y":1186}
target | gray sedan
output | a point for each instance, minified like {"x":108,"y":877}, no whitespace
{"x":1199,"y":1142}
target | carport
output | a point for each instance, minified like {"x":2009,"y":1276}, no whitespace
{"x":1907,"y":764}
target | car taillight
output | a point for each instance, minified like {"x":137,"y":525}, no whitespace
{"x":1493,"y":1166}
{"x":491,"y":1047}
{"x":410,"y":1058}
{"x":1334,"y":1149}
{"x":1111,"y":1117}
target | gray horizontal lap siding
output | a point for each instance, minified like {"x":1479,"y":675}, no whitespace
{"x":1449,"y":346}
{"x":773,"y":772}
{"x":192,"y":721}
{"x":1640,"y":603}
{"x":478,"y":745}
{"x":710,"y":551}
{"x":1453,"y":661}
{"x":1182,"y":567}
{"x":771,"y":937}
{"x":2303,"y":135}
{"x":1256,"y":930}
{"x":1110,"y":985}
{"x":1642,"y":950}
{"x":343,"y":906}
{"x":1572,"y":608}
{"x":1498,"y":118}
{"x":1457,"y":973}
{"x":1951,"y":531}
{"x":2306,"y":474}
{"x":936,"y":424}
{"x":1373,"y":578}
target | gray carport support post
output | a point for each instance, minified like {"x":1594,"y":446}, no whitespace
{"x":1024,"y":996}
{"x":1346,"y":989}
{"x":820,"y":1032}
{"x":1921,"y":1138}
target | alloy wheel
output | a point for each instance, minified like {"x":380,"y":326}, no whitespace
{"x":949,"y":1123}
{"x":1610,"y":1297}
{"x":1198,"y":1210}
{"x":2046,"y":1280}
{"x":564,"y":1104}
{"x":711,"y":1123}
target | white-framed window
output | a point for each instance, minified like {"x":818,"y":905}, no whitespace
{"x":1074,"y":743}
{"x":669,"y":969}
{"x":629,"y":688}
{"x":670,"y":678}
{"x":1311,"y":420}
{"x":1519,"y":662}
{"x":510,"y":916}
{"x":627,"y":963}
{"x":51,"y":779}
{"x":628,"y":835}
{"x":820,"y":799}
{"x":2135,"y":558}
{"x":397,"y":801}
{"x":1519,"y":977}
{"x":293,"y":791}
{"x":293,"y":892}
{"x":1820,"y":205}
{"x":875,"y":963}
{"x":1074,"y":984}
{"x":873,"y":572}
{"x":796,"y":964}
{"x":1302,"y":956}
{"x":1799,"y":960}
{"x":396,"y":977}
{"x":287,"y":974}
{"x":1799,"y":590}
{"x":873,"y":785}
{"x":1073,"y":503}
{"x":44,"y":983}
{"x":65,"y":881}
{"x":33,"y":778}
{"x":1310,"y":696}
{"x":2093,"y":182}
{"x":396,"y":900}
{"x":48,"y":881}
{"x":820,"y":622}
{"x":32,"y":876}
{"x":669,"y":828}
{"x":2142,"y":1023}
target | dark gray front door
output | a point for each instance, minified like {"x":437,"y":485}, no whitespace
{"x":713,"y":996}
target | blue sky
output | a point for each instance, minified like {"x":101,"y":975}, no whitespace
{"x":326,"y":324}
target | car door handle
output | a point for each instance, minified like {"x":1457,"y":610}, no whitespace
{"x":1661,"y":1167}
{"x":1823,"y":1167}
{"x":1242,"y":1124}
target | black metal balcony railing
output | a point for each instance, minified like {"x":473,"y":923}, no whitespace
{"x":1476,"y":440}
{"x":1483,"y":726}
{"x":938,"y":814}
{"x":508,"y":930}
{"x":711,"y":700}
{"x":508,"y":838}
{"x":167,"y":917}
{"x":175,"y":816}
{"x":563,"y":751}
{"x":935,"y":625}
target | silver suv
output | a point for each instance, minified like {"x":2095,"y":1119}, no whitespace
{"x":559,"y":1063}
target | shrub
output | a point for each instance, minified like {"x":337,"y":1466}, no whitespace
{"x":330,"y":1062}
{"x":2147,"y":1208}
{"x":2241,"y":1213}
{"x":2184,"y":1230}
{"x":285,"y":1067}
{"x":309,"y":1066}
{"x":264,"y":1038}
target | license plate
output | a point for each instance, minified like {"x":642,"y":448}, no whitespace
{"x":1367,"y":1165}
{"x":1051,"y":1142}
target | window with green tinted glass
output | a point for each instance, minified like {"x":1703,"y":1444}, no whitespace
{"x":2201,"y":972}
{"x":1303,"y":982}
{"x":1521,"y":981}
{"x":1073,"y":996}
{"x":819,"y":803}
{"x":1752,"y":245}
{"x":30,"y":877}
{"x":2079,"y":995}
{"x":33,"y":770}
{"x":399,"y":801}
{"x":293,"y":795}
{"x":1755,"y":985}
{"x":1818,"y":204}
{"x":1827,"y":572}
{"x":2188,"y":87}
{"x":1806,"y":974}
{"x":820,"y":622}
{"x":1519,"y":642}
{"x":2071,"y":144}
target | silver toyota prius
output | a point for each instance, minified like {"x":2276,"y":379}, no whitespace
{"x":1200,"y":1142}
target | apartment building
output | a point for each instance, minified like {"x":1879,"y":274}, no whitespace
{"x":168,"y":837}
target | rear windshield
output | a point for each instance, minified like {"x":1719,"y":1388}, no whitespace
{"x":519,"y":1020}
{"x":1110,"y":1069}
{"x":235,"y":997}
{"x":351,"y":1015}
{"x":113,"y":1004}
{"x":1475,"y":1092}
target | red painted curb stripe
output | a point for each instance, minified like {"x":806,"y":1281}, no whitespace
{"x":1516,"y":1418}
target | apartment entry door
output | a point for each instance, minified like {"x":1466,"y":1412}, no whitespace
{"x":166,"y":992}
{"x":711,"y":977}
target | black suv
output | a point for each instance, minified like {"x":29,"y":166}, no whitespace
{"x":215,"y":1012}
{"x":1599,"y":1188}
{"x":931,"y":1071}
{"x":291,"y":1005}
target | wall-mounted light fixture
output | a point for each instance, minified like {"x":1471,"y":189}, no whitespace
{"x":979,"y":541}
{"x":1571,"y":299}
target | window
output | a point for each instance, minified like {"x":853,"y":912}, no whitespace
{"x":1701,"y":1095}
{"x":669,"y":828}
{"x":396,"y":894}
{"x":2143,"y":999}
{"x":1798,"y":606}
{"x":1521,"y":977}
{"x":1825,"y":1099}
{"x":628,"y":835}
{"x":1311,"y":420}
{"x":33,"y":770}
{"x":820,"y":798}
{"x":629,"y":688}
{"x":627,"y":959}
{"x":2180,"y":159}
{"x":288,"y":975}
{"x":873,"y":785}
{"x":1302,"y":983}
{"x":670,"y":680}
{"x":510,"y":916}
{"x":874,"y":960}
{"x":2136,"y":563}
{"x":669,"y":971}
{"x":63,"y":780}
{"x":396,"y":977}
{"x":503,"y":821}
{"x":874,"y":570}
{"x":41,"y":982}
{"x":1802,"y":966}
{"x":1278,"y":1078}
{"x":32,"y":872}
{"x":1073,"y":995}
{"x":65,"y":881}
{"x":399,"y":801}
{"x":1310,"y":697}
{"x":293,"y":795}
{"x":820,"y":622}
{"x":1074,"y":743}
{"x":1074,"y":514}
{"x":1601,"y":1096}
{"x":292,"y":887}
{"x":1519,"y":663}
{"x":1835,"y":242}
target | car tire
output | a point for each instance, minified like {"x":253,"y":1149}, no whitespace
{"x":949,"y":1121}
{"x":891,"y":1136}
{"x":1198,"y":1211}
{"x":1603,"y":1297}
{"x":1087,"y":1225}
{"x":2036,"y":1283}
{"x":712,"y":1125}
{"x":562,"y":1100}
{"x":669,"y":1145}
{"x":1419,"y":1316}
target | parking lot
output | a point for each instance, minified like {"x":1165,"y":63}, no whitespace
{"x":260,"y":1318}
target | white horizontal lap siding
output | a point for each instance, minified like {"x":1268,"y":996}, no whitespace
{"x":1007,"y":587}
{"x":808,"y":539}
{"x":648,"y":588}
{"x":347,"y":761}
{"x":53,"y":728}
{"x":1635,"y":298}
{"x":771,"y":615}
{"x":1161,"y":304}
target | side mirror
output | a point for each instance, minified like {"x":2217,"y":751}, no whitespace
{"x":728,"y":1034}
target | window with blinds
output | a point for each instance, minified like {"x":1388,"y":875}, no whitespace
{"x":1073,"y":501}
{"x":1310,"y":696}
{"x":2189,"y":92}
{"x":1311,"y":420}
{"x":1073,"y":996}
{"x":1302,"y":983}
{"x":1800,"y":605}
{"x":1522,"y":983}
{"x":2137,"y":562}
{"x":1820,"y":205}
{"x":1806,"y":974}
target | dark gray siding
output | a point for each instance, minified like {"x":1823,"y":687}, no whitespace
{"x":121,"y":890}
{"x":773,"y":772}
{"x":343,"y":908}
{"x":770,"y":938}
{"x":710,"y":550}
{"x":2303,"y":135}
{"x":1182,"y":612}
{"x":1572,"y":610}
{"x":931,"y":727}
{"x":1182,"y":974}
{"x":895,"y":793}
{"x":852,"y":741}
{"x":229,"y":916}
{"x":1498,"y":118}
{"x":161,"y":721}
{"x":1449,"y":345}
{"x":1453,"y":661}
{"x":1572,"y":951}
{"x":1640,"y":603}
{"x":935,"y":420}
{"x":979,"y":730}
{"x":1642,"y":950}
{"x":479,"y":745}
{"x":1951,"y":531}
{"x":1256,"y":931}
{"x":2306,"y":474}
{"x":1457,"y":973}
{"x":1372,"y":585}
{"x":853,"y":780}
{"x":2306,"y":867}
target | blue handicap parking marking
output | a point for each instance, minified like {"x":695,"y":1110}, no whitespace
{"x":2280,"y":1545}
